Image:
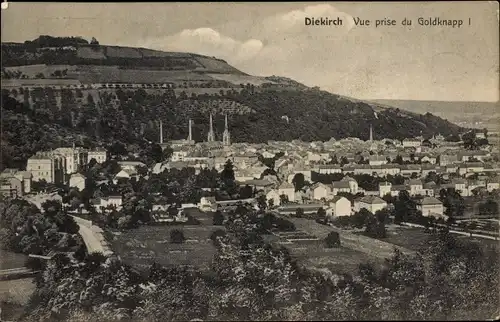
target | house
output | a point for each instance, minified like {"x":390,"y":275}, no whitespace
{"x":377,"y":160}
{"x":448,"y":159}
{"x":431,"y":207}
{"x":274,"y":196}
{"x":340,"y":186}
{"x":18,"y":181}
{"x":320,"y":191}
{"x":77,"y":180}
{"x":384,"y":188}
{"x":339,"y":206}
{"x":328,"y":168}
{"x":159,"y":168}
{"x":207,"y":204}
{"x":492,"y":185}
{"x":416,"y":187}
{"x":11,"y":186}
{"x":408,"y":169}
{"x":258,"y":184}
{"x":130,"y":165}
{"x":114,"y":201}
{"x":288,"y":190}
{"x":353,"y":184}
{"x":370,"y":203}
{"x":411,"y":143}
{"x":460,"y":186}
{"x":98,"y":154}
{"x":124,"y":174}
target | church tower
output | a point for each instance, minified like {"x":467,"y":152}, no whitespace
{"x":226,"y":137}
{"x":211,"y":135}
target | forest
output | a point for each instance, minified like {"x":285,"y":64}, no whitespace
{"x":39,"y":118}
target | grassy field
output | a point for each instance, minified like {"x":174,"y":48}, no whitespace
{"x":140,"y":247}
{"x":417,"y":239}
{"x":16,"y":291}
{"x":12,"y":260}
{"x":408,"y":237}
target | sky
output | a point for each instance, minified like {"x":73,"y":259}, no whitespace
{"x":397,"y":62}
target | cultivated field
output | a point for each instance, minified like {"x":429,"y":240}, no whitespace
{"x":240,"y":79}
{"x":140,"y":247}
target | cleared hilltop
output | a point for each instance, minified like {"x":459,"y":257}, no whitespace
{"x":59,"y":89}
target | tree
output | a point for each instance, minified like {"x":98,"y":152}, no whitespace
{"x":167,"y":153}
{"x":94,"y":41}
{"x":261,"y":202}
{"x":216,"y":234}
{"x":218,"y":219}
{"x":142,"y":170}
{"x":283,"y":199}
{"x":270,"y":203}
{"x":343,"y":161}
{"x":488,"y":208}
{"x":298,"y":181}
{"x":321,"y":215}
{"x":177,"y":236}
{"x":332,"y":240}
{"x":299,"y":213}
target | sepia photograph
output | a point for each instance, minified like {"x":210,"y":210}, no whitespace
{"x":250,"y":161}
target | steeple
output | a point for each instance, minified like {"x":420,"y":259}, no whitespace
{"x":226,"y":137}
{"x":211,"y":135}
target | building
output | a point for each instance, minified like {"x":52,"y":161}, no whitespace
{"x":411,"y":143}
{"x":104,"y":204}
{"x":99,"y":155}
{"x":288,"y":190}
{"x":77,"y":180}
{"x":384,"y":188}
{"x":72,"y":158}
{"x":207,"y":204}
{"x":15,"y":182}
{"x":431,"y":207}
{"x":274,"y":196}
{"x":130,"y":165}
{"x":321,"y":191}
{"x":339,"y":206}
{"x":377,"y":160}
{"x":46,"y":166}
{"x":370,"y":203}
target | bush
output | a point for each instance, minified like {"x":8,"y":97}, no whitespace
{"x":218,"y":219}
{"x":215,"y":234}
{"x":177,"y":236}
{"x":332,"y":240}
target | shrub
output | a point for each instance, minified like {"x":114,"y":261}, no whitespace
{"x":332,"y":240}
{"x":177,"y":236}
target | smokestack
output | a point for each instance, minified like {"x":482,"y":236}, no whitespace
{"x":161,"y":132}
{"x":190,"y":138}
{"x":371,"y":133}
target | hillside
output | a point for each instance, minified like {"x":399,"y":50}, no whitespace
{"x":58,"y":101}
{"x":469,"y":114}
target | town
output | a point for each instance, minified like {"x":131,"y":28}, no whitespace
{"x":246,"y":167}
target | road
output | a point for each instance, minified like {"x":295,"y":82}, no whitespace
{"x":92,"y":241}
{"x":457,"y":232}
